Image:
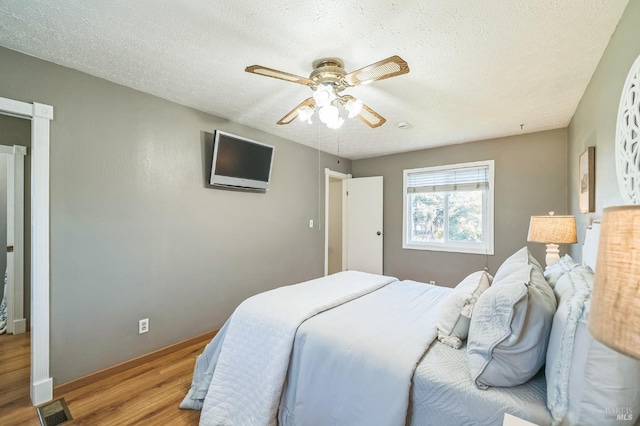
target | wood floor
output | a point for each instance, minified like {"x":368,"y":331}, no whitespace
{"x":148,"y":394}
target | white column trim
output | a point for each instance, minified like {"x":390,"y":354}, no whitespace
{"x":41,"y":382}
{"x":41,"y":389}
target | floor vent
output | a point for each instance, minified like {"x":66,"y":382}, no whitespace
{"x":54,"y":413}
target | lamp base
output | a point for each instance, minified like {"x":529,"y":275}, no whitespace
{"x":553,"y":255}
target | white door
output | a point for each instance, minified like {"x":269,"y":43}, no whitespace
{"x":364,"y":224}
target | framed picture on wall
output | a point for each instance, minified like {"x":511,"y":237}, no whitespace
{"x":587,"y":181}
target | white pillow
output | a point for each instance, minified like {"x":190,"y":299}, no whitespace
{"x":455,"y":313}
{"x":510,"y":327}
{"x":514,"y":262}
{"x":564,"y":265}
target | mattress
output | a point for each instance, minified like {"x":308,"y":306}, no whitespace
{"x":444,"y":394}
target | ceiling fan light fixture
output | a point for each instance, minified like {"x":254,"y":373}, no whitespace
{"x":329,"y":114}
{"x":353,"y":108}
{"x":324,"y":95}
{"x":336,"y":124}
{"x":305,"y":113}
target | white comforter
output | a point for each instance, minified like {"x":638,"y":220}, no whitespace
{"x":353,"y":365}
{"x":254,"y":358}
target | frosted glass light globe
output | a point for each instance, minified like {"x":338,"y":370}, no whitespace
{"x":354,"y":108}
{"x":324,"y":95}
{"x":305,"y":113}
{"x":328,"y":114}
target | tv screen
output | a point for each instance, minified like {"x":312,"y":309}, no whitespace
{"x":240,"y":162}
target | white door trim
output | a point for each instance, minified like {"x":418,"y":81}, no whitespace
{"x":328,"y":173}
{"x":16,"y":321}
{"x":41,"y":388}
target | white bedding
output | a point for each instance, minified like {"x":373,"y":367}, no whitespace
{"x":251,"y":368}
{"x":353,"y":365}
{"x":443,"y":394}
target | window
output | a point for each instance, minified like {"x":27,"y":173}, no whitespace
{"x":449,"y":208}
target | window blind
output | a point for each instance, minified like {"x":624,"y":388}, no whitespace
{"x":462,"y":179}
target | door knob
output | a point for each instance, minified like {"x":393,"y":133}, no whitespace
{"x":378,"y":233}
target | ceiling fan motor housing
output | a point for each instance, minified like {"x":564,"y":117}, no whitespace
{"x":330,"y":71}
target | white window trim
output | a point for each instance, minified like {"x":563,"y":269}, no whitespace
{"x":461,"y":247}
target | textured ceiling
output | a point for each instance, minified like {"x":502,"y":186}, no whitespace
{"x":479,"y":69}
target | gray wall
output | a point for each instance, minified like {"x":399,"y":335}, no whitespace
{"x":17,"y":131}
{"x":136,"y":232}
{"x":530,"y":179}
{"x":594,"y":122}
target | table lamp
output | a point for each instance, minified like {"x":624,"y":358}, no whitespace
{"x":552,"y":230}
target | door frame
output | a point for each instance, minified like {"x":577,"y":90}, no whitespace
{"x":16,"y":321}
{"x":328,"y":173}
{"x":41,"y":384}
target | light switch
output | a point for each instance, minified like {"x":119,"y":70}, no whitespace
{"x":310,"y":223}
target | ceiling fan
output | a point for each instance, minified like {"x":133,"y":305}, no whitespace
{"x":327,"y":80}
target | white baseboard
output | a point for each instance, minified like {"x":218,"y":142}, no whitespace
{"x":20,"y":326}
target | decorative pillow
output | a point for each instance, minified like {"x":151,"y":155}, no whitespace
{"x":514,"y":262}
{"x":456,"y":310}
{"x":563,"y":266}
{"x":510,"y":325}
{"x":587,"y":383}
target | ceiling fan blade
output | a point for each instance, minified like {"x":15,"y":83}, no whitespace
{"x":370,"y":117}
{"x":380,"y":70}
{"x":367,"y":115}
{"x":293,"y":114}
{"x":280,"y":75}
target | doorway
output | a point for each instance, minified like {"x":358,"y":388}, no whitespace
{"x":335,"y":256}
{"x":40,"y":116}
{"x":353,"y":223}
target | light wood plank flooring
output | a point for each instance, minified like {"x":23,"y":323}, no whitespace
{"x":145,"y":395}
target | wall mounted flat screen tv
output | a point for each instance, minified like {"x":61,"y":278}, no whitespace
{"x":240,"y":162}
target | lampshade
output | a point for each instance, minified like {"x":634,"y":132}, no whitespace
{"x":615,"y":300}
{"x":552,"y":229}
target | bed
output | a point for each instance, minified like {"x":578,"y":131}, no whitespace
{"x":363,"y":349}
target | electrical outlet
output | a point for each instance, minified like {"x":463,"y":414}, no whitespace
{"x":432,"y":282}
{"x":143,"y":326}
